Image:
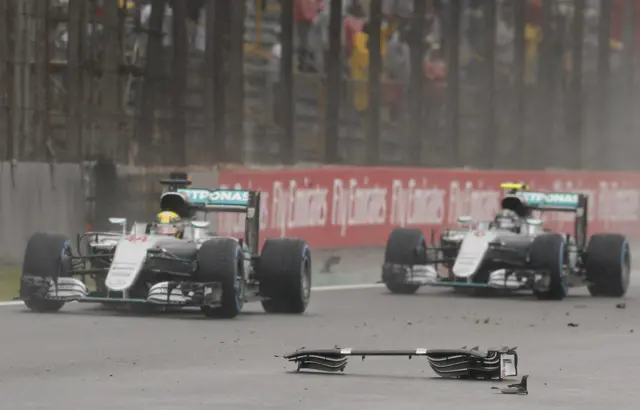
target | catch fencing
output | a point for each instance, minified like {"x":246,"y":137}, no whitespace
{"x":489,"y":85}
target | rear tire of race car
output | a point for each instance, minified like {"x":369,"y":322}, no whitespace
{"x":547,"y":254}
{"x":221,"y":260}
{"x":404,"y":247}
{"x":608,"y":265}
{"x":285,"y":275}
{"x":47,"y":256}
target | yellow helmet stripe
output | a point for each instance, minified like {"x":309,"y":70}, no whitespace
{"x":166,"y":217}
{"x":514,"y":185}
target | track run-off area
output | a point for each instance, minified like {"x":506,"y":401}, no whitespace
{"x":580,"y":353}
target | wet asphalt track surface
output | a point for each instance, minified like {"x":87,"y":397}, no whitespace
{"x":87,"y":358}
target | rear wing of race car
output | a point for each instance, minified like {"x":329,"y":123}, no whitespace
{"x":525,"y":200}
{"x":175,"y":184}
{"x":185,"y":200}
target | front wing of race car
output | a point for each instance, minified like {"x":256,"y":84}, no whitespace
{"x":495,"y":363}
{"x":174,"y":293}
{"x":427,"y":275}
{"x":477,"y":252}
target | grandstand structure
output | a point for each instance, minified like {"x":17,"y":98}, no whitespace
{"x":67,"y":98}
{"x":74,"y":83}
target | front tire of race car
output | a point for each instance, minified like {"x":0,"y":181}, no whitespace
{"x":547,"y":255}
{"x":608,"y":265}
{"x":406,"y":247}
{"x":220,"y":260}
{"x":285,"y":275}
{"x":47,"y":257}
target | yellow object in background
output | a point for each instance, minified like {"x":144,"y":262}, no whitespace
{"x":129,"y":4}
{"x":519,"y":186}
{"x":359,"y":70}
{"x":532,"y":37}
{"x":359,"y":64}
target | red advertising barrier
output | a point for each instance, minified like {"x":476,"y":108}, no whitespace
{"x":354,"y":206}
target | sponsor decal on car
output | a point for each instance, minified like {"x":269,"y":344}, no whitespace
{"x":231,"y":197}
{"x":560,"y":199}
{"x":217,"y":197}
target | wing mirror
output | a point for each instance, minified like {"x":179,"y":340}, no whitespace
{"x":464,"y":220}
{"x":534,"y":221}
{"x":200,"y":224}
{"x":120,"y":221}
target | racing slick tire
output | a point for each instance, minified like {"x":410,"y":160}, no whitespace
{"x":285,"y":275}
{"x":221,"y":260}
{"x":47,"y":256}
{"x":548,"y":254}
{"x":404,"y":247}
{"x":608,"y":265}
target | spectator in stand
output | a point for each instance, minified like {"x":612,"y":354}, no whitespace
{"x":318,"y":41}
{"x":505,"y":40}
{"x":532,"y":38}
{"x":353,"y":23}
{"x":359,"y":70}
{"x":359,"y":62}
{"x":434,"y":67}
{"x":617,"y":22}
{"x":472,"y":24}
{"x":398,"y":8}
{"x":590,"y":44}
{"x":273,"y":78}
{"x":397,"y":66}
{"x":398,"y":58}
{"x":433,"y":29}
{"x":435,"y":71}
{"x":304,"y":14}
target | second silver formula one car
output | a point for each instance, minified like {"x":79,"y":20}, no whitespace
{"x":513,"y":252}
{"x":139,"y":267}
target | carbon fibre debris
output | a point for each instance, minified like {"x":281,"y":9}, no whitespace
{"x":494,"y":363}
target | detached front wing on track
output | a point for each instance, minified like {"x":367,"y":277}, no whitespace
{"x":178,"y":293}
{"x":497,"y":363}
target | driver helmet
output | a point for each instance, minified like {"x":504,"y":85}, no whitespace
{"x":507,"y":219}
{"x":169,"y":223}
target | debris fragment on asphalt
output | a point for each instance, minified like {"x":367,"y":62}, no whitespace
{"x":329,"y":263}
{"x":475,"y":363}
{"x":516,"y":388}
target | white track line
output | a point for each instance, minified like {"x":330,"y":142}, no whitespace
{"x":346,"y":287}
{"x":315,"y":289}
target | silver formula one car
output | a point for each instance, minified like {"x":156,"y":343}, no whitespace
{"x":140,"y":268}
{"x":520,"y":255}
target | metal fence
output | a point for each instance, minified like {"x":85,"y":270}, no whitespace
{"x":486,"y":84}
